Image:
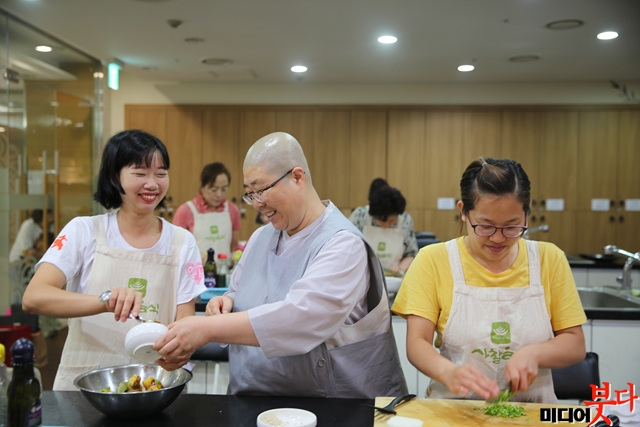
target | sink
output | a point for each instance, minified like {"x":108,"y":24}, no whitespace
{"x":603,"y":298}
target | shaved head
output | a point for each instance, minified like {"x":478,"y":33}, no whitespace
{"x":277,"y":153}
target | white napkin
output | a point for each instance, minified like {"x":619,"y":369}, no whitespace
{"x":627,"y":418}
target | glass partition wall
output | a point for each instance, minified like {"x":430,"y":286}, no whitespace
{"x":50,"y":128}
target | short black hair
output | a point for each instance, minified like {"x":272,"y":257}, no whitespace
{"x":129,"y":147}
{"x":377,"y":184}
{"x":211,"y":171}
{"x":386,"y":201}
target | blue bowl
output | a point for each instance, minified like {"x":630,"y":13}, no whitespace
{"x":212,"y":292}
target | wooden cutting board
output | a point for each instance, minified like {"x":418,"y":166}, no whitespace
{"x":451,"y":412}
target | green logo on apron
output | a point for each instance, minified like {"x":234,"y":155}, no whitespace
{"x":139,"y":285}
{"x":213,"y":229}
{"x":382,"y":246}
{"x":500,"y":333}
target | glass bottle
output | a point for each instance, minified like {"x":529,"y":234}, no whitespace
{"x":25,"y":409}
{"x":210,"y":269}
{"x":223,"y":272}
{"x":4,"y":384}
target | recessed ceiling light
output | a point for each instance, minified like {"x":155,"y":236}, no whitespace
{"x":194,"y":40}
{"x":565,"y":24}
{"x":608,"y":35}
{"x":43,"y":48}
{"x":216,"y":61}
{"x":299,"y":69}
{"x":387,"y":39}
{"x":524,"y":58}
{"x":466,"y":68}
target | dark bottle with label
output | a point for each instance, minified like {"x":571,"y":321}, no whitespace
{"x":223,"y":272}
{"x":210,"y":269}
{"x":25,"y":408}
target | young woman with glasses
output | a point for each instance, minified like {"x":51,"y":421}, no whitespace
{"x":504,"y":310}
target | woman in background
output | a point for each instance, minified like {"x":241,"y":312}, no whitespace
{"x":213,"y":220}
{"x":387,"y":227}
{"x":150,"y":266}
{"x":505,"y":309}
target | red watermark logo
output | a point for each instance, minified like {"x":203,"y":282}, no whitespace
{"x":601,"y":398}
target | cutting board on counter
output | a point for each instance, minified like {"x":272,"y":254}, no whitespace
{"x":463,"y":413}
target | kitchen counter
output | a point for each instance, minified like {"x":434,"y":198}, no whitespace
{"x":71,"y":409}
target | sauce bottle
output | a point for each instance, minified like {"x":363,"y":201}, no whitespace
{"x":25,"y":408}
{"x":210,"y":269}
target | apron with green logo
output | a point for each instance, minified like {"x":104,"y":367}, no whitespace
{"x":212,"y":230}
{"x":487,"y":325}
{"x":388,"y":243}
{"x":98,"y":341}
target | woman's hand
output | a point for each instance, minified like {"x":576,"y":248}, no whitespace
{"x":184,"y":337}
{"x":219,"y":305}
{"x":465,"y":378}
{"x":522,"y":368}
{"x":124,"y":301}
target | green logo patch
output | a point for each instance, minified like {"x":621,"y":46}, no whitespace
{"x":500,"y":333}
{"x":139,"y":285}
{"x":382,"y":246}
{"x":213,"y":229}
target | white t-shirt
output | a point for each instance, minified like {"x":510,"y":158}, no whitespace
{"x":73,"y":251}
{"x":25,"y":239}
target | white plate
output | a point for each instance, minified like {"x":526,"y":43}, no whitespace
{"x":287,"y":417}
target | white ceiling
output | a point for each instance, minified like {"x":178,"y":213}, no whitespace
{"x":336,"y":39}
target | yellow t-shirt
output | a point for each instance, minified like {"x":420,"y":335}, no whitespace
{"x":427,"y":289}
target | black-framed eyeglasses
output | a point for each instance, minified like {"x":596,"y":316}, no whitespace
{"x":509,"y":231}
{"x":257,"y":196}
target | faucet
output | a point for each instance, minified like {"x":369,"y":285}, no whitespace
{"x":625,"y":279}
{"x":543,"y":227}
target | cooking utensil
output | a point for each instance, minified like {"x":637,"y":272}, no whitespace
{"x":104,"y":297}
{"x":390,"y":408}
{"x":131,"y":405}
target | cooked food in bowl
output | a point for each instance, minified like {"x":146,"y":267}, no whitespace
{"x":135,"y":385}
{"x":131,"y":405}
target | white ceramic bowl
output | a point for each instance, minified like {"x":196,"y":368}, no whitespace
{"x":287,"y":417}
{"x":140,"y":339}
{"x":393,"y":284}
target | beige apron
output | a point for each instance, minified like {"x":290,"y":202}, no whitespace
{"x":212,"y":230}
{"x":487,"y":325}
{"x":98,"y":341}
{"x":388,"y":243}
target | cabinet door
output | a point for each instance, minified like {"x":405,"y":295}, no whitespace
{"x":410,"y":372}
{"x":628,"y":155}
{"x":446,"y":225}
{"x":521,"y":142}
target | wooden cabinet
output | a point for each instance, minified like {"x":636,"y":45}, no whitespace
{"x":545,"y":144}
{"x":573,"y":154}
{"x":609,"y":149}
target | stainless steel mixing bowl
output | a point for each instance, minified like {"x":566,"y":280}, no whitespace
{"x":131,"y":405}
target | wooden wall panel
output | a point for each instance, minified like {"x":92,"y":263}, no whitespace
{"x":521,"y":142}
{"x":184,"y":142}
{"x":559,"y":157}
{"x":368,"y":152}
{"x":597,"y":157}
{"x":405,"y":155}
{"x":628,"y":181}
{"x":331,"y":156}
{"x":152,"y":119}
{"x":481,"y":135}
{"x":444,"y":162}
{"x":221,"y":143}
{"x":300,"y":124}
